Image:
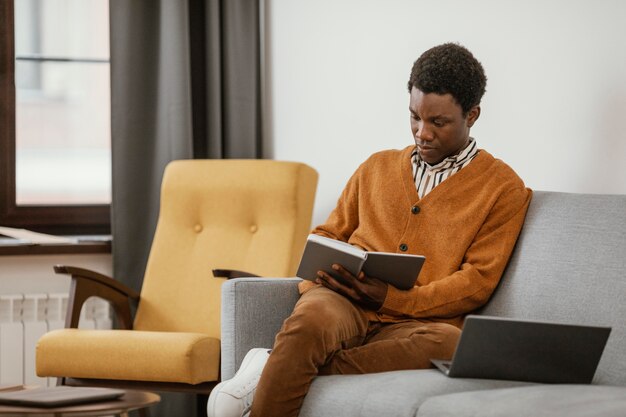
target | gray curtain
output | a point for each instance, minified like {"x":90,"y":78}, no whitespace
{"x":185,"y":83}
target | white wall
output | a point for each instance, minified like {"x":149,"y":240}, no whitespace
{"x":555,"y":107}
{"x":27,"y":274}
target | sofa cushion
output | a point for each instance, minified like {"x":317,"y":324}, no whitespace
{"x":398,"y":393}
{"x":569,"y":266}
{"x":532,"y":401}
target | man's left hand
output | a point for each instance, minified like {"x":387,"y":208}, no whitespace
{"x":366,"y":291}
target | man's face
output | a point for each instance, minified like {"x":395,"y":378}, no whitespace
{"x":438,"y":125}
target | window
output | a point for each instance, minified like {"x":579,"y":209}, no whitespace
{"x":55,"y":157}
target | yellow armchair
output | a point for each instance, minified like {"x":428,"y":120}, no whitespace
{"x":227,"y":215}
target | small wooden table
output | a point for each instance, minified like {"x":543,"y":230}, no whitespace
{"x":131,"y":400}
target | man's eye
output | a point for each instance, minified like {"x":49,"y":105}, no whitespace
{"x":438,"y":123}
{"x":414,"y":117}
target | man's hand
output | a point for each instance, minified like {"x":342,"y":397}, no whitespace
{"x":366,"y":291}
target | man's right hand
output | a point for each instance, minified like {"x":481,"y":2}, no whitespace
{"x":366,"y":291}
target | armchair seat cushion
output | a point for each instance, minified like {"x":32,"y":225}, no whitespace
{"x":129,"y":355}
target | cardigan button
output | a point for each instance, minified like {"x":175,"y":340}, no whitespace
{"x":404,"y":247}
{"x":415,"y":209}
{"x":254,"y":228}
{"x":197,"y":228}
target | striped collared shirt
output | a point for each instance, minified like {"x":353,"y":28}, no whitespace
{"x":427,"y":177}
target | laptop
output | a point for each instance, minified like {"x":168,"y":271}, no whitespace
{"x":523,"y":350}
{"x":59,"y":396}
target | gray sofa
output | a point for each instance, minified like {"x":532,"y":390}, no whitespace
{"x":569,"y":265}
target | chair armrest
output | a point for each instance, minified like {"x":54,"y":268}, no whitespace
{"x":232,"y":273}
{"x":253,"y":310}
{"x":87,"y":283}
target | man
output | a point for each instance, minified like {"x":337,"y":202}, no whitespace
{"x":441,"y":197}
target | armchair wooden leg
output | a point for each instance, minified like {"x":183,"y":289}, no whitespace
{"x":201,"y":403}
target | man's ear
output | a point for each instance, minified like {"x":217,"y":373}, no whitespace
{"x":473,"y":115}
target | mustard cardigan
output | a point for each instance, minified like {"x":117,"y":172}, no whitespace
{"x":466,"y":228}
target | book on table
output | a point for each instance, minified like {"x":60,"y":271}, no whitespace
{"x":320,"y":253}
{"x":59,"y":396}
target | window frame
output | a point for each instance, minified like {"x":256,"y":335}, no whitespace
{"x":58,"y":219}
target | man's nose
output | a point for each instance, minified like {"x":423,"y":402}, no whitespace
{"x":424,"y":133}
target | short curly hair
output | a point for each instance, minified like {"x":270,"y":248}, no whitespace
{"x":450,"y":69}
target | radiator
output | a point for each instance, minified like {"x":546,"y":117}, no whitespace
{"x":24,"y":318}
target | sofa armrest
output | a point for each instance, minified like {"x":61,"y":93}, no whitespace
{"x":253,"y":310}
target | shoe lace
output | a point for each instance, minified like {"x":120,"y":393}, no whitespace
{"x":247,"y":390}
{"x":247,"y":401}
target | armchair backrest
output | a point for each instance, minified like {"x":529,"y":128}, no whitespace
{"x":247,"y":215}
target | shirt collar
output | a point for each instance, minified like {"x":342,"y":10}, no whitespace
{"x":452,"y":161}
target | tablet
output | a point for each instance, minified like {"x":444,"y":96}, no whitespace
{"x":59,"y":396}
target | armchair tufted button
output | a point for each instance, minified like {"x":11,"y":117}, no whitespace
{"x":404,"y":247}
{"x":254,"y":228}
{"x":415,"y":209}
{"x":197,"y":228}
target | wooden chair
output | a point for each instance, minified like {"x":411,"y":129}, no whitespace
{"x":227,"y":215}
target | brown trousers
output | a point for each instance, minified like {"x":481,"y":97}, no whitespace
{"x":328,"y":334}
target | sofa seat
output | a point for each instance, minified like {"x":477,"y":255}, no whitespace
{"x":533,"y":401}
{"x":129,"y":355}
{"x":398,"y":393}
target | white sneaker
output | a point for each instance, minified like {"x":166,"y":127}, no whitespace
{"x":233,"y":398}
